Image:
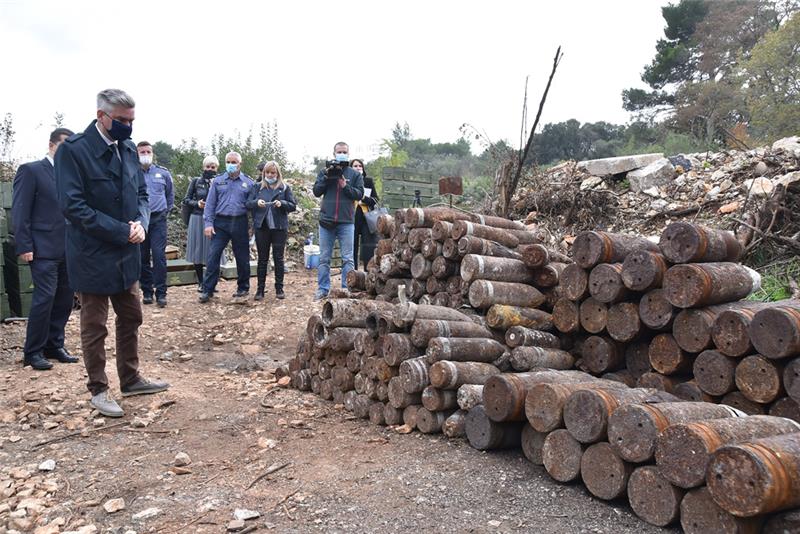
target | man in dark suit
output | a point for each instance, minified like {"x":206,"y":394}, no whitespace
{"x":103,"y":195}
{"x":39,"y":235}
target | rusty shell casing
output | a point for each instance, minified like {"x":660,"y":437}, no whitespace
{"x":566,"y":316}
{"x":464,"y":349}
{"x":633,"y":429}
{"x":469,"y":396}
{"x":361,"y":406}
{"x":586,"y":411}
{"x":656,"y":311}
{"x":666,"y":357}
{"x":450,"y":249}
{"x":302,"y":380}
{"x":407,"y":255}
{"x":561,"y":456}
{"x":393,"y":266}
{"x":424,"y":330}
{"x":548,"y":275}
{"x":605,"y":283}
{"x":623,"y":323}
{"x":398,"y":348}
{"x":731,"y":330}
{"x":602,"y":354}
{"x":537,"y":255}
{"x":532,"y":443}
{"x":637,"y":358}
{"x":593,"y":315}
{"x":421,"y":267}
{"x":428,"y":217}
{"x":417,"y":236}
{"x":399,"y":397}
{"x":442,"y":267}
{"x":383,"y":391}
{"x":441,"y":231}
{"x":392,"y":286}
{"x":431,"y":249}
{"x":690,"y":391}
{"x":441,"y":299}
{"x":476,"y":245}
{"x":775,"y":331}
{"x":385,"y":225}
{"x":527,"y":358}
{"x":791,"y":379}
{"x":484,"y":294}
{"x":476,"y":267}
{"x":623,"y":376}
{"x":604,"y":473}
{"x":782,"y":523}
{"x":354,"y":361}
{"x":336,"y":339}
{"x":376,"y":410}
{"x":701,"y":515}
{"x":349,"y":400}
{"x":691,"y":328}
{"x":503,"y":317}
{"x":544,"y":403}
{"x":504,"y":394}
{"x":661,"y":382}
{"x":435,"y":285}
{"x":653,"y":498}
{"x":575,"y":282}
{"x":785,"y":407}
{"x":643,"y":270}
{"x":702,"y":284}
{"x":455,"y":426}
{"x":311,"y":326}
{"x":356,"y":281}
{"x":452,"y":375}
{"x":465,"y":228}
{"x":760,"y":379}
{"x":405,"y":315}
{"x":342,"y":378}
{"x":415,"y":374}
{"x":326,"y":389}
{"x":683,"y":450}
{"x":391,"y":415}
{"x":520,"y":336}
{"x":756,"y":477}
{"x":429,"y":422}
{"x":417,"y":290}
{"x":592,"y":248}
{"x":410,"y":415}
{"x":485,"y":434}
{"x":383,"y":248}
{"x":384,"y":372}
{"x":736,"y":399}
{"x":684,"y":242}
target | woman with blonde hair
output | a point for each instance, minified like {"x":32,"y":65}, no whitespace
{"x":197,"y":244}
{"x":270,"y":202}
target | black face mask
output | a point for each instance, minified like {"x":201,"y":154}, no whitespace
{"x":207,"y":174}
{"x":119,"y":131}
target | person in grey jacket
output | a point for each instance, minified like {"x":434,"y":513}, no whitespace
{"x":340,"y":188}
{"x":270,"y":202}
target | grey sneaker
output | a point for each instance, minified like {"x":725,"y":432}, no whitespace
{"x":144,"y":387}
{"x":320,"y":295}
{"x":106,"y":405}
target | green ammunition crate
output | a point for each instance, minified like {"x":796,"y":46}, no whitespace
{"x":6,"y":190}
{"x":228,"y":272}
{"x":179,"y":265}
{"x":181,"y":278}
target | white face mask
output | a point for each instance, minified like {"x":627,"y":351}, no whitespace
{"x":146,"y":159}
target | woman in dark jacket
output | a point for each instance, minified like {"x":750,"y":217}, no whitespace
{"x":367,"y":239}
{"x":197,"y":243}
{"x":271,"y":201}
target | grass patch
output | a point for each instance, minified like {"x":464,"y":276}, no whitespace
{"x":775,"y":279}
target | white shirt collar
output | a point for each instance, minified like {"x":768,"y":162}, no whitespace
{"x":50,"y":159}
{"x":105,"y":138}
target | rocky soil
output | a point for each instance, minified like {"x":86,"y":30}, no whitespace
{"x":194,"y":459}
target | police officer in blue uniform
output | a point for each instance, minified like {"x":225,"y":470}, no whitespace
{"x":162,"y":200}
{"x":225,"y":219}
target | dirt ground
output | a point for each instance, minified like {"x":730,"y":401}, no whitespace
{"x":225,"y":411}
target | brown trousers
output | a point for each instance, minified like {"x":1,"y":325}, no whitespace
{"x":94,"y":315}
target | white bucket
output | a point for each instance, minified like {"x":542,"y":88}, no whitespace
{"x":311,"y":256}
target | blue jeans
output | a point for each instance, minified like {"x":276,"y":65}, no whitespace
{"x":344,"y":233}
{"x":233,"y":229}
{"x":51,"y":305}
{"x":154,"y":244}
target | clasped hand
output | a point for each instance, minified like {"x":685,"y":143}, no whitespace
{"x":136,"y":232}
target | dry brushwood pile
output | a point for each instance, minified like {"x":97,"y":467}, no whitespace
{"x":755,"y":192}
{"x":632,"y":365}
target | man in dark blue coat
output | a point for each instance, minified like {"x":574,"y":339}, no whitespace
{"x":103,"y":195}
{"x":39,"y":235}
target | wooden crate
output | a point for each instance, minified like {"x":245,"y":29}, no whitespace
{"x":5,"y":307}
{"x":399,"y":185}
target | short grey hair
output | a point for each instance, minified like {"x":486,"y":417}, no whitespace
{"x":238,"y":156}
{"x":211,"y":159}
{"x":108,"y":99}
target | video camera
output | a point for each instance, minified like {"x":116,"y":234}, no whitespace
{"x":335,"y":169}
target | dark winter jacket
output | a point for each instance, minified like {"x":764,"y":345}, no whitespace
{"x":338,"y":204}
{"x":279,"y":215}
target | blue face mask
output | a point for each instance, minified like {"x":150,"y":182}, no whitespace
{"x":271,"y":181}
{"x":342,"y":158}
{"x":119,"y":131}
{"x":231,"y":167}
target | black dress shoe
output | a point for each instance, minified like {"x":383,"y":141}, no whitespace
{"x":147,"y":299}
{"x":259,"y":295}
{"x":161,"y":301}
{"x":60,"y":355}
{"x":280,"y":294}
{"x":204,"y":297}
{"x":240,"y":293}
{"x":38,"y":362}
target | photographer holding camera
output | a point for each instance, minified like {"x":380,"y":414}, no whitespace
{"x":340,"y":188}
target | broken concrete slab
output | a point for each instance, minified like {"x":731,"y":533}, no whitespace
{"x":617,"y":165}
{"x":658,"y":173}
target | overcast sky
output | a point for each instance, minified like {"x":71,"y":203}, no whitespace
{"x":324,"y":70}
